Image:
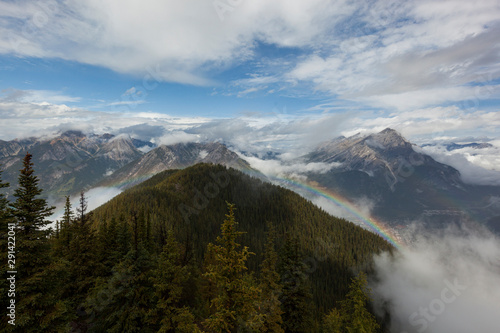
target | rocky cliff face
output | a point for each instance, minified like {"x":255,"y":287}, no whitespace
{"x":74,"y":161}
{"x":176,"y":156}
{"x":404,"y":183}
{"x":386,"y":154}
{"x":70,"y":162}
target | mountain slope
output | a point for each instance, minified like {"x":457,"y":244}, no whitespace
{"x":70,"y":162}
{"x":192,"y":202}
{"x":404,"y":184}
{"x":176,"y":156}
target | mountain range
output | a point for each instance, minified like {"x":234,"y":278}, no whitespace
{"x":401,"y":183}
{"x":73,"y":161}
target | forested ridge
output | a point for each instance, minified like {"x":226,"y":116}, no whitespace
{"x":205,"y":249}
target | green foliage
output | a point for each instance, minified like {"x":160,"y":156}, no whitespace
{"x":169,"y":278}
{"x":63,"y":236}
{"x":234,"y":305}
{"x":271,"y":288}
{"x":40,"y":306}
{"x":296,"y":298}
{"x":332,"y":323}
{"x":121,"y":302}
{"x":134,"y":264}
{"x":30,"y":211}
{"x":355,"y":316}
{"x":334,"y":244}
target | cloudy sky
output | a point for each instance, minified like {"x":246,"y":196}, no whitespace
{"x":262,"y":74}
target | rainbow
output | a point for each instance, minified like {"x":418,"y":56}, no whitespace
{"x":375,"y":226}
{"x":131,"y":181}
{"x":299,"y":186}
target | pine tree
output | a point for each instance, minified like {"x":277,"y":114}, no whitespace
{"x":30,"y":211}
{"x":121,"y":302}
{"x":169,"y":279}
{"x":332,"y":322}
{"x":234,"y":306}
{"x":39,"y":305}
{"x":66,"y":223}
{"x":296,"y":298}
{"x":355,"y":317}
{"x":82,"y":259}
{"x":82,"y":208}
{"x":270,"y":305}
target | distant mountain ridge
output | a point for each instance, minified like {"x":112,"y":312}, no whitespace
{"x":386,"y":154}
{"x":403,"y":183}
{"x":74,"y":161}
{"x":70,"y":162}
{"x":454,"y":146}
{"x":178,"y":156}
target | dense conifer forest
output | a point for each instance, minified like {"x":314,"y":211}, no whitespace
{"x":203,"y":249}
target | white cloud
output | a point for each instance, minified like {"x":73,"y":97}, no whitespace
{"x":37,"y":96}
{"x":278,"y":168}
{"x":119,"y":103}
{"x":203,"y":154}
{"x":447,"y":283}
{"x":411,"y":55}
{"x":95,"y":197}
{"x":99,"y":196}
{"x":24,"y":116}
{"x":383,"y":51}
{"x":434,"y":122}
{"x":168,"y":40}
{"x":476,"y":166}
{"x":174,"y":137}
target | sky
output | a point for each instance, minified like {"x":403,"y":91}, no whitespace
{"x":280,"y":75}
{"x":261,"y":75}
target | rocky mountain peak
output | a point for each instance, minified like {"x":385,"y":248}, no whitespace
{"x":176,"y":156}
{"x":120,"y":148}
{"x":387,"y":139}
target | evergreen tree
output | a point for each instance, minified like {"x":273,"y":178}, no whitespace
{"x":82,"y":208}
{"x":39,"y":306}
{"x":296,"y":298}
{"x":270,"y":305}
{"x":82,"y":259}
{"x":332,"y":322}
{"x":234,"y":306}
{"x":66,"y":223}
{"x":169,"y":279}
{"x":31,"y":212}
{"x":121,"y":302}
{"x":355,"y":316}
